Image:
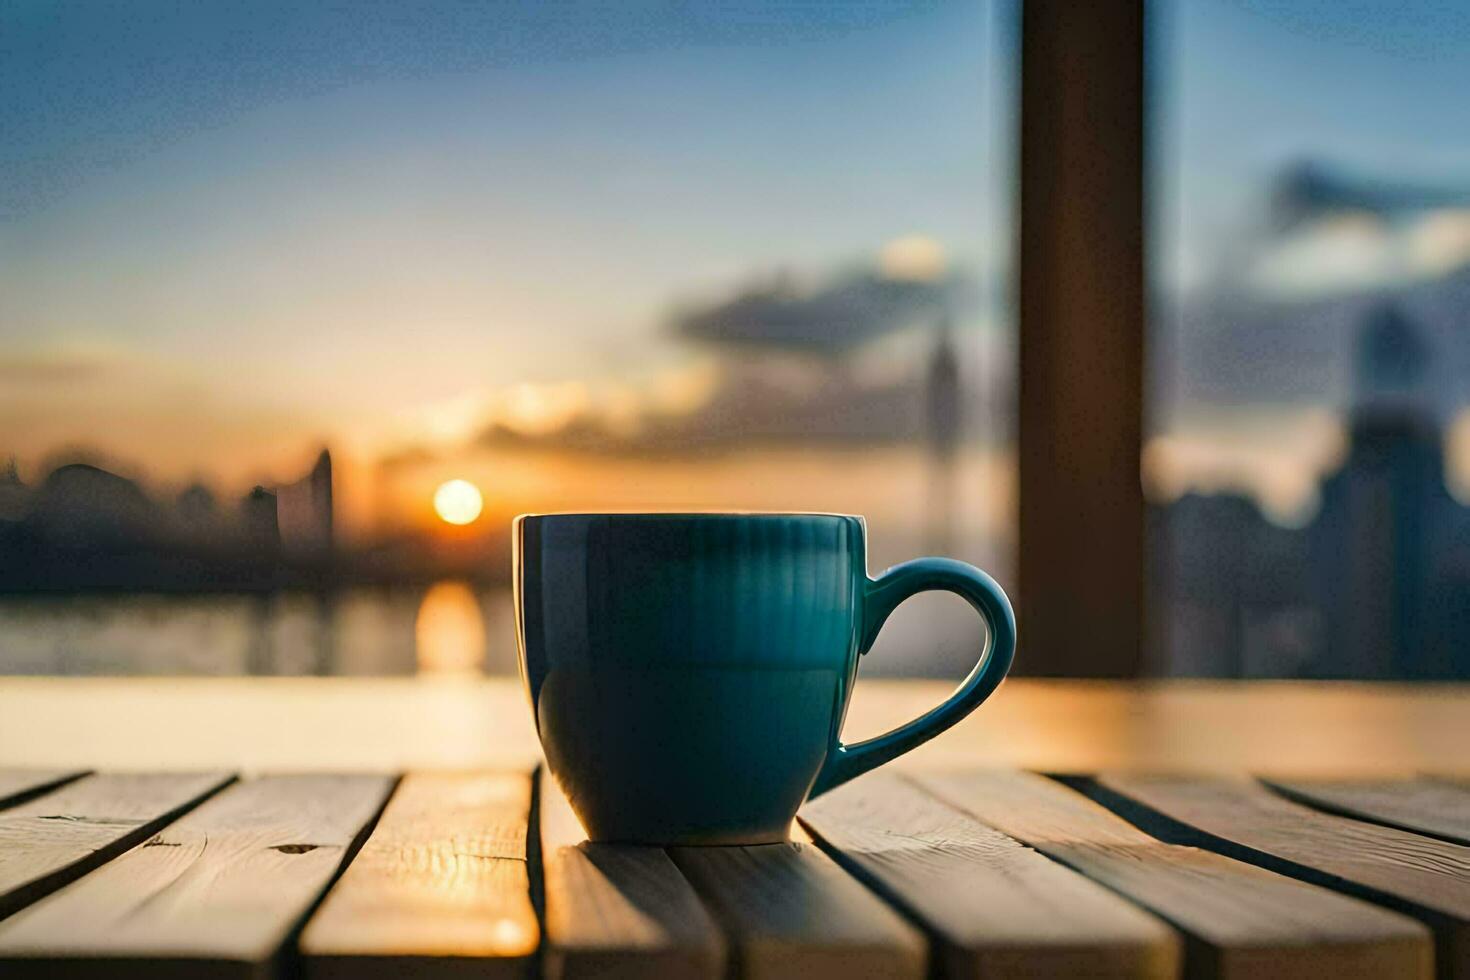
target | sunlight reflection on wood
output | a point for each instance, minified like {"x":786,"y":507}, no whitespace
{"x":612,"y":910}
{"x":443,"y":875}
{"x":1275,"y":727}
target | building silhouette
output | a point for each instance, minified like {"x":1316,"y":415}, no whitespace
{"x":1376,"y":586}
{"x":83,"y":527}
{"x":1383,"y":546}
{"x":305,"y":514}
{"x":944,"y":403}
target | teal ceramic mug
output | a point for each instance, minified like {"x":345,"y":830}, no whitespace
{"x":689,"y":673}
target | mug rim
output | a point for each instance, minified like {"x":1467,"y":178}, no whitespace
{"x":657,"y":514}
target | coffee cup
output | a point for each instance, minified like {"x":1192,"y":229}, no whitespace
{"x":690,"y":673}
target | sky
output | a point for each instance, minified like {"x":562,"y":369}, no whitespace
{"x":1244,"y":90}
{"x":1242,"y":94}
{"x":228,"y":229}
{"x":230,"y":232}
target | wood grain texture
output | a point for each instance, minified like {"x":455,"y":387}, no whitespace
{"x":59,"y":836}
{"x":789,"y":911}
{"x":1427,"y":878}
{"x":1426,"y":806}
{"x":617,"y":912}
{"x":994,"y":907}
{"x":1241,"y":921}
{"x":19,"y":785}
{"x":216,"y":893}
{"x":440,"y":889}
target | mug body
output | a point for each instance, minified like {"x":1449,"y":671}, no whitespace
{"x":689,"y":673}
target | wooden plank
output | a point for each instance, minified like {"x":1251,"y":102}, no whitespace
{"x":789,"y":911}
{"x":217,"y":892}
{"x":994,"y":907}
{"x":1241,"y":921}
{"x":19,"y":785}
{"x":59,"y":836}
{"x":1426,"y":806}
{"x":1427,"y":878}
{"x":618,"y":911}
{"x":441,"y":888}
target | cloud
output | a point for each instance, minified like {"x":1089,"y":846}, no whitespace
{"x":763,"y":399}
{"x":913,"y":258}
{"x":59,"y":366}
{"x":1441,"y":242}
{"x":1353,"y":251}
{"x":1336,"y":232}
{"x":1312,"y":189}
{"x":834,"y":317}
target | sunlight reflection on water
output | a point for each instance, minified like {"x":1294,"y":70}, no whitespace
{"x":449,"y":632}
{"x":447,"y":628}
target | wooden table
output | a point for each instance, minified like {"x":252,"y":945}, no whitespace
{"x":335,"y":828}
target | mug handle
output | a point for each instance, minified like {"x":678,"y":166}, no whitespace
{"x":881,"y":597}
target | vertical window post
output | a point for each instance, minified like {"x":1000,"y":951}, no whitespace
{"x":1081,"y":312}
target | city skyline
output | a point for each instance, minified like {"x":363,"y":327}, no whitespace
{"x":399,"y":233}
{"x":404,"y":235}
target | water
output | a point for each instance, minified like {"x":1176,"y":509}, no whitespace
{"x":448,"y":628}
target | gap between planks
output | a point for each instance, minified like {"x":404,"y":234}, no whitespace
{"x":441,"y":888}
{"x":60,"y":835}
{"x":19,"y":785}
{"x":1423,"y":805}
{"x":994,"y":907}
{"x":618,"y":911}
{"x":1240,"y":921}
{"x":1236,"y":816}
{"x":789,"y":911}
{"x":219,"y":891}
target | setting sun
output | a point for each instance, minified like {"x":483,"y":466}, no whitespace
{"x":458,"y":502}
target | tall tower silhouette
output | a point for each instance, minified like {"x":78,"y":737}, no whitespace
{"x":319,"y":484}
{"x":306,"y":515}
{"x":943,"y":397}
{"x":1372,"y":546}
{"x":14,"y":494}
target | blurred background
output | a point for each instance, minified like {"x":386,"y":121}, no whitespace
{"x":1307,"y":446}
{"x":301,"y":303}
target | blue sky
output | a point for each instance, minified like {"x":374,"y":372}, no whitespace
{"x":309,"y":220}
{"x":316,"y":212}
{"x":1247,"y":88}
